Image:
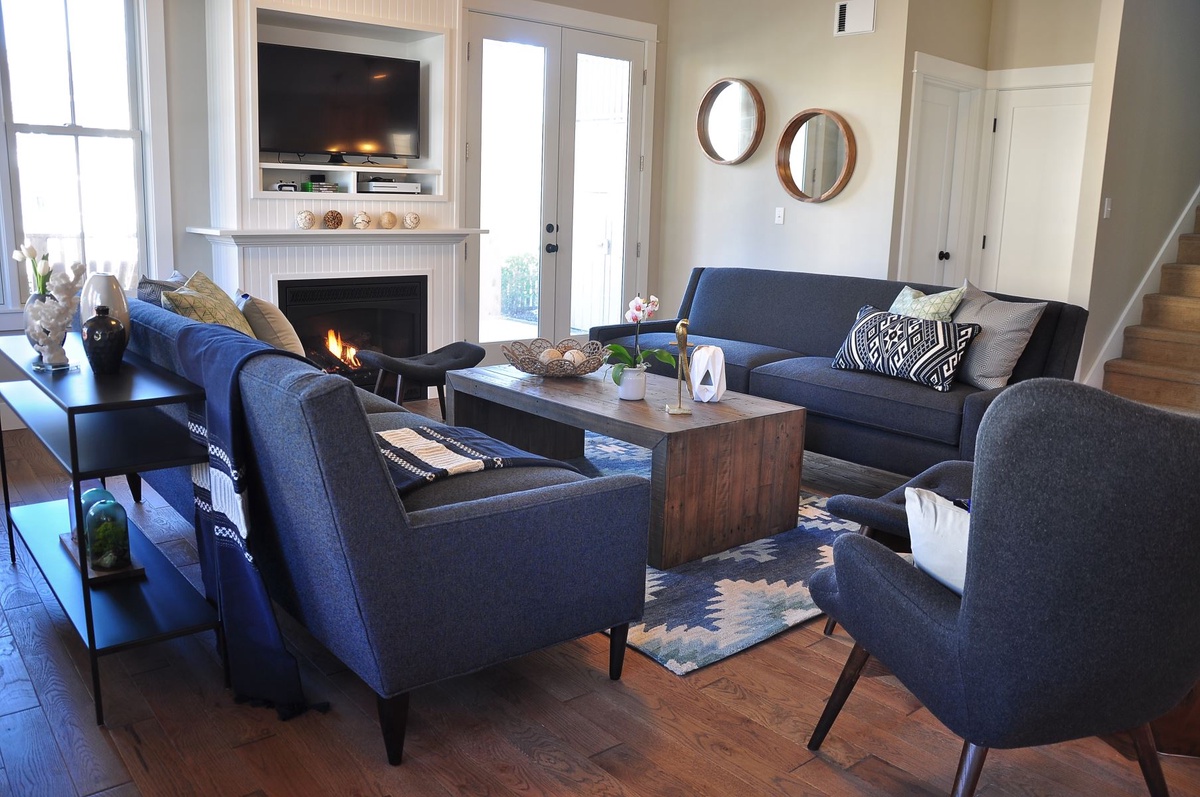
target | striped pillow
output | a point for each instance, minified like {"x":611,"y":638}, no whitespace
{"x":1005,"y":329}
{"x":919,"y":350}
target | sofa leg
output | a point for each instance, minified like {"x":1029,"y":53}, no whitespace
{"x":616,"y":650}
{"x":393,"y":717}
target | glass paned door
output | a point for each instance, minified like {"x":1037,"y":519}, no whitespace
{"x":552,"y":114}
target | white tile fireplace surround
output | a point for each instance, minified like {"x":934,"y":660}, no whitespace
{"x":255,"y":261}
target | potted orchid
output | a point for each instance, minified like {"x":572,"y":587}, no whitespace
{"x":639,"y":310}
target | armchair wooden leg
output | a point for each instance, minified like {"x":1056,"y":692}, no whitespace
{"x":617,"y":635}
{"x":135,"y":486}
{"x":393,"y":718}
{"x":1143,"y":739}
{"x":841,"y":691}
{"x":970,"y":764}
{"x":442,"y":400}
{"x":830,"y":626}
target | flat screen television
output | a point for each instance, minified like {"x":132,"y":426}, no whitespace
{"x":321,"y":101}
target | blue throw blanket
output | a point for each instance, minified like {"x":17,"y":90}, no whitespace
{"x":261,"y":669}
{"x":420,"y":455}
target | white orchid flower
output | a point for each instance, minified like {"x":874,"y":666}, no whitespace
{"x":44,"y":266}
{"x":30,"y":251}
{"x":18,"y":256}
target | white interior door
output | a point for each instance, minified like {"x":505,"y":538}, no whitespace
{"x":931,"y":251}
{"x":1033,"y":203}
{"x":554,"y":131}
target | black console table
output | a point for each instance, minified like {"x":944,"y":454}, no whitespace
{"x":97,"y":426}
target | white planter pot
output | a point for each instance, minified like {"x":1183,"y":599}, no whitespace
{"x":633,"y":384}
{"x":103,"y":290}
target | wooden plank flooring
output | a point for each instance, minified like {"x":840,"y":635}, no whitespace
{"x":550,"y":723}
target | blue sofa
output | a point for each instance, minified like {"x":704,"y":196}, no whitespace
{"x":458,"y":575}
{"x":780,"y":330}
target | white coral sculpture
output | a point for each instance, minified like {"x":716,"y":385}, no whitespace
{"x":47,"y":321}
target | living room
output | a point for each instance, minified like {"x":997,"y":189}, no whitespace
{"x":552,"y":722}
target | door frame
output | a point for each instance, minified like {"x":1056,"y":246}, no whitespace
{"x":547,"y":13}
{"x":969,"y":82}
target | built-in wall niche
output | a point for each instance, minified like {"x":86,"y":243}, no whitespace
{"x":359,"y":177}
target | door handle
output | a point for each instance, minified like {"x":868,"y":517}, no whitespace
{"x":551,"y":248}
{"x":943,"y":255}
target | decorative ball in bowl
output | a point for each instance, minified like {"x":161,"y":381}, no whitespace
{"x":565,"y":358}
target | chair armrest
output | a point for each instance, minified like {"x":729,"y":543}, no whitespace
{"x":887,"y":599}
{"x":973,"y":409}
{"x":613,"y":331}
{"x":476,"y":583}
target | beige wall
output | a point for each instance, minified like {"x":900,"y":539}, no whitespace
{"x":1028,"y":33}
{"x":724,"y":215}
{"x":1152,"y":165}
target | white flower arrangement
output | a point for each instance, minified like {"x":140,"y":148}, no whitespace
{"x":37,"y":271}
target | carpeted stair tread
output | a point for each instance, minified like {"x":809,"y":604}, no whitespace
{"x":1180,"y":279}
{"x":1175,"y":312}
{"x":1189,"y":248}
{"x":1153,"y":383}
{"x":1163,"y":346}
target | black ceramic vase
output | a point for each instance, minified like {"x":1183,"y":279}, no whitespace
{"x":104,"y":342}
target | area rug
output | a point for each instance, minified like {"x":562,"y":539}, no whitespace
{"x":703,"y":611}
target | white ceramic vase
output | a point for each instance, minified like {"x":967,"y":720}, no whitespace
{"x":633,"y":384}
{"x":103,"y":290}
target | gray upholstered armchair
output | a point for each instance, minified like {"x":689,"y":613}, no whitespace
{"x":1079,"y":614}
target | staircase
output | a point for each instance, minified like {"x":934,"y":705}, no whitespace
{"x":1160,"y":363}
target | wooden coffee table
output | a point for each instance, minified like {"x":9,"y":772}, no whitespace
{"x":727,"y":474}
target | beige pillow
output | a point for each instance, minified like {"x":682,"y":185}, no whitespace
{"x":932,"y":307}
{"x":270,"y":324}
{"x":201,"y":299}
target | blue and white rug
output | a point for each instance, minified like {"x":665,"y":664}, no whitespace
{"x":703,"y":611}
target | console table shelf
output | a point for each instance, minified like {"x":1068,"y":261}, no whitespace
{"x":97,"y":426}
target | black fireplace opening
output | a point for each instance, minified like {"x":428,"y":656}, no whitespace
{"x":339,"y":316}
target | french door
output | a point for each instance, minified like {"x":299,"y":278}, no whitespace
{"x":554,"y":138}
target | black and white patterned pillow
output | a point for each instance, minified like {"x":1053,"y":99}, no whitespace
{"x":922,"y":351}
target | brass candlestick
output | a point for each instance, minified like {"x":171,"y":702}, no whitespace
{"x":683,"y":370}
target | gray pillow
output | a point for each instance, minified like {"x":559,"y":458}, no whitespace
{"x":149,"y":290}
{"x":1005,"y":328}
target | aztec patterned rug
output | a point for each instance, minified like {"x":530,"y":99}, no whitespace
{"x":703,"y":611}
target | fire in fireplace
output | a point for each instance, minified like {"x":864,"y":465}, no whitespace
{"x":338,"y":317}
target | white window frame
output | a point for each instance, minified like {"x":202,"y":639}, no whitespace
{"x":146,"y":41}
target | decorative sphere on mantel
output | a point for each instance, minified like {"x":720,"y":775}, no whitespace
{"x":362,"y":220}
{"x":305,"y":219}
{"x":411,"y":221}
{"x":387,"y":220}
{"x":333,"y":220}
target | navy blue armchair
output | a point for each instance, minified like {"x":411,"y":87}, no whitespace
{"x":1079,"y":614}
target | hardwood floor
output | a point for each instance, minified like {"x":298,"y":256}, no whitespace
{"x":546,"y":724}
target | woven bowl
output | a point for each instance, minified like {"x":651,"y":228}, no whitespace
{"x":524,"y":357}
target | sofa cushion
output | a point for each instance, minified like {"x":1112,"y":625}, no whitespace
{"x":740,"y":357}
{"x":934,"y":306}
{"x":269,"y":324}
{"x":149,"y":290}
{"x":927,"y":352}
{"x":1005,"y":328}
{"x":865,"y":399}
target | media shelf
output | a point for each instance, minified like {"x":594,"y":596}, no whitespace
{"x":96,"y":426}
{"x":347,"y":178}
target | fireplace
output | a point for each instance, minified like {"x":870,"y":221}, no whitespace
{"x":336,"y":317}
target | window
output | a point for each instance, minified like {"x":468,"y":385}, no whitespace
{"x":73,"y":132}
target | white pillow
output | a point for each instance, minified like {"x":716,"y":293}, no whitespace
{"x":270,"y":324}
{"x":938,"y":530}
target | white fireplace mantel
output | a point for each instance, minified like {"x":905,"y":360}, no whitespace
{"x":348,"y":237}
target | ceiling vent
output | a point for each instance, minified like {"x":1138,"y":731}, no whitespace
{"x":853,"y":16}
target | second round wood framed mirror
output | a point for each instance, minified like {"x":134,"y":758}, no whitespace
{"x":816,"y":155}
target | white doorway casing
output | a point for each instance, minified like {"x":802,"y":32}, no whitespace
{"x":1002,"y":197}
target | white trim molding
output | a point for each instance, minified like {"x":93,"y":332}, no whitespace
{"x":241,"y":238}
{"x":1040,"y":77}
{"x":549,"y":13}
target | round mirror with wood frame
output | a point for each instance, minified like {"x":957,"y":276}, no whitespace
{"x":730,"y":121}
{"x":818,"y":147}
